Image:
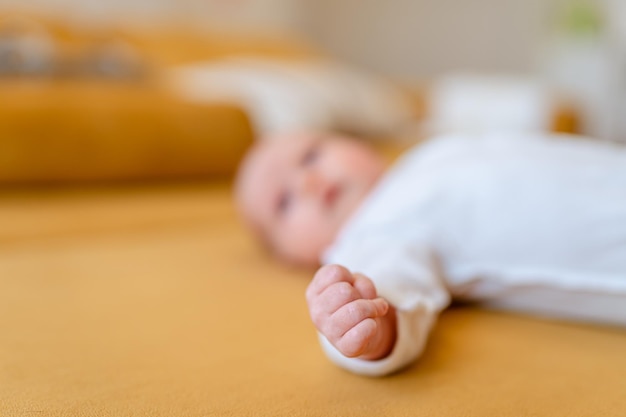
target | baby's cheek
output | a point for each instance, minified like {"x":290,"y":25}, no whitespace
{"x":320,"y":228}
{"x":306,"y":239}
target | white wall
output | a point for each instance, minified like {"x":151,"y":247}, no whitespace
{"x":414,"y":38}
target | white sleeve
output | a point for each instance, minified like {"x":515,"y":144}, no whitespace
{"x":408,"y":278}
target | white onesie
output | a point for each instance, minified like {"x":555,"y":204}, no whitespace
{"x":526,"y":222}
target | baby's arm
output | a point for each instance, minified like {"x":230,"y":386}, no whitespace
{"x":346,"y":309}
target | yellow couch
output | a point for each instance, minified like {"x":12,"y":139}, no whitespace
{"x":71,"y":123}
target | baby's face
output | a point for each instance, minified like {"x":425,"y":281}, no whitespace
{"x":297,"y":192}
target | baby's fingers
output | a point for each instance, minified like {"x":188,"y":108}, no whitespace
{"x":364,"y":286}
{"x":331,"y":300}
{"x":356,"y":341}
{"x":351,"y":314}
{"x":325,"y":277}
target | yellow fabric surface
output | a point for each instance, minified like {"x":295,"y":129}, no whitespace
{"x":155,"y":302}
{"x":62,"y":131}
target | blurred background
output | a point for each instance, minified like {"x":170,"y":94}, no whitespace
{"x":93,"y":90}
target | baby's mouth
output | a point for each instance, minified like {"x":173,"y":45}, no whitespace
{"x":331,"y":195}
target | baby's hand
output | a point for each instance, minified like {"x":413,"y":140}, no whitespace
{"x":346,"y":309}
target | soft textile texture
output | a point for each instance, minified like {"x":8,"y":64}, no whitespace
{"x":306,"y":94}
{"x":155,"y":302}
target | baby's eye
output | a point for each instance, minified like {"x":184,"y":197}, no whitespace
{"x":311,"y":155}
{"x":284,"y":202}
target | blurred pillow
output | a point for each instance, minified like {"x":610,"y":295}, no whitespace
{"x":69,"y":131}
{"x":282,"y":95}
{"x":465,"y":102}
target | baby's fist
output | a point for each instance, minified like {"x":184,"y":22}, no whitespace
{"x":345,"y":308}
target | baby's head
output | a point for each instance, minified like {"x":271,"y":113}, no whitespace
{"x":296,"y":192}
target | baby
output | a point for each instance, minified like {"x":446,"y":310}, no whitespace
{"x":526,"y":222}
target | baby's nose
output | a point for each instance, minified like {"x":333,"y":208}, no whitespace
{"x":310,"y":183}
